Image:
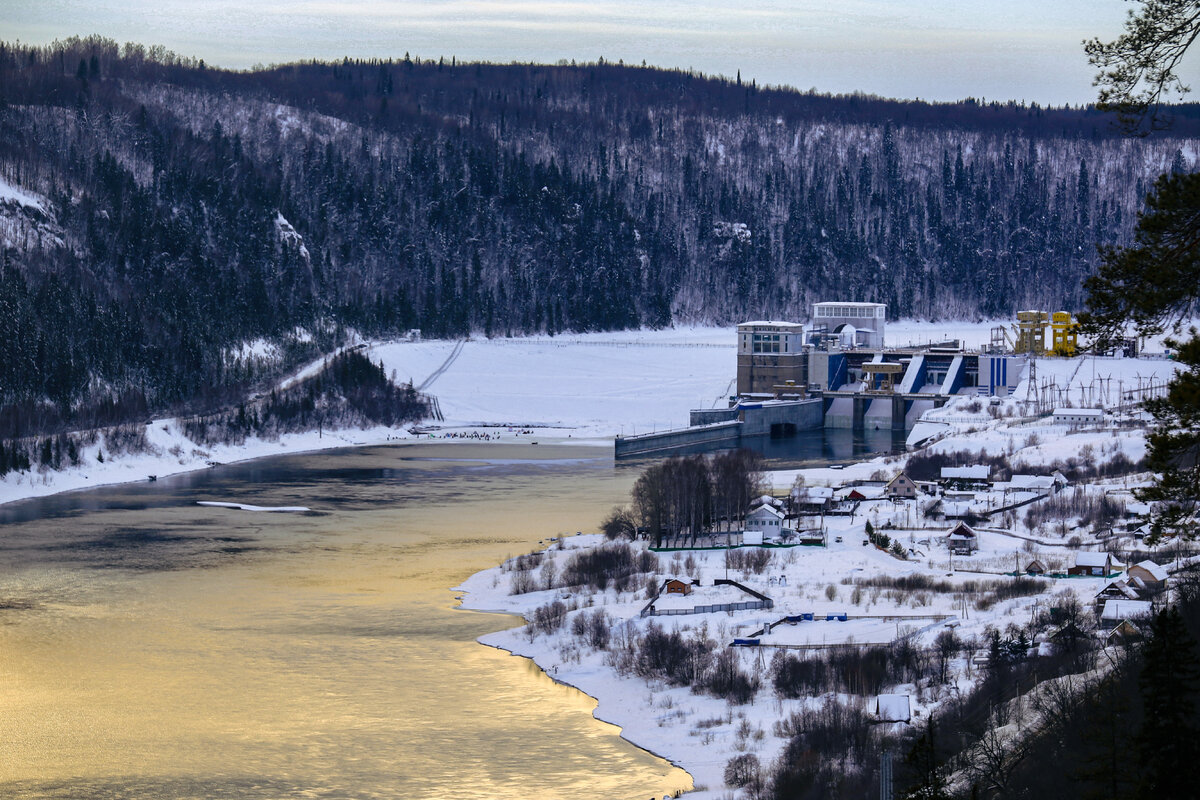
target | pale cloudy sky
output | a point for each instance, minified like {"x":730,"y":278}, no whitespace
{"x":932,"y":49}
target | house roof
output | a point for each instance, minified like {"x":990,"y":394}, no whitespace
{"x":964,"y":530}
{"x":864,"y":492}
{"x":1035,"y":565}
{"x":1120,"y":587}
{"x":1086,"y":558}
{"x":1031,"y":481}
{"x":979,"y":472}
{"x":893,"y":708}
{"x":1157,"y":571}
{"x":1124,"y":609}
{"x":765,"y":511}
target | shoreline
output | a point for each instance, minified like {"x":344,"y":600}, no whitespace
{"x":126,"y":468}
{"x":617,"y":698}
{"x":621,"y":729}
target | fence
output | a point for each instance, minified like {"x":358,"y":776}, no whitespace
{"x":731,"y":346}
{"x":750,"y":605}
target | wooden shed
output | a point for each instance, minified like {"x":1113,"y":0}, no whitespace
{"x":676,"y":586}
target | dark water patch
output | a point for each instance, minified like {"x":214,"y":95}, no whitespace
{"x":134,"y":538}
{"x":141,"y":549}
{"x":14,"y":604}
{"x":343,"y":480}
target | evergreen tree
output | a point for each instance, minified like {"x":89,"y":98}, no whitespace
{"x":1168,"y":741}
{"x":926,"y":768}
{"x":1140,"y":68}
{"x":1156,"y":283}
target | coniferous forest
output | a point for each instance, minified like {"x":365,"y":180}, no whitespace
{"x":174,"y":235}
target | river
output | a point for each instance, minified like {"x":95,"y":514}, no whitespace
{"x":151,"y":647}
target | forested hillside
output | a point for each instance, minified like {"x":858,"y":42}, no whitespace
{"x":173,"y":234}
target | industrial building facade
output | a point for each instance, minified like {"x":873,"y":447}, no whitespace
{"x":770,"y":354}
{"x":849,"y":325}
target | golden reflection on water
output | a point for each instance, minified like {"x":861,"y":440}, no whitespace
{"x":179,"y":651}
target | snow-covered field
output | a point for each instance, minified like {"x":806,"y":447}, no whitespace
{"x":701,"y":733}
{"x":590,"y":385}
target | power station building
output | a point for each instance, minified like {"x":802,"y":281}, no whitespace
{"x":849,"y":325}
{"x":835,"y":372}
{"x":770,"y":354}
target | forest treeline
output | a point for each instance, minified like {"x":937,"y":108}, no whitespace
{"x":163,"y":222}
{"x":346,"y":391}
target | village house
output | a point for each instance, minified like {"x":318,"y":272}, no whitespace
{"x":1035,"y":568}
{"x":767,"y":520}
{"x":972,"y":477}
{"x":893,"y":708}
{"x":1117,"y":611}
{"x":1092,"y":564}
{"x":1068,"y":637}
{"x":676,"y":586}
{"x":1124,"y":632}
{"x":812,"y":500}
{"x":1116,"y":590}
{"x":1041,"y":484}
{"x":901,"y":487}
{"x":962,"y":540}
{"x":1148,"y":575}
{"x":846,"y":499}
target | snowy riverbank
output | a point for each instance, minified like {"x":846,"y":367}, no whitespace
{"x":857,"y":594}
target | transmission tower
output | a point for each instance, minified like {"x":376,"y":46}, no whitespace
{"x":1031,"y":387}
{"x":885,"y":776}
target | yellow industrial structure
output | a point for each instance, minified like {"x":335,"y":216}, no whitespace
{"x":1030,"y":334}
{"x":1063,"y":338}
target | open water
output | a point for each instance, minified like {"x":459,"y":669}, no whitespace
{"x":150,"y":647}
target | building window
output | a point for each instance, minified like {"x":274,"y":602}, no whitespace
{"x":766,"y":343}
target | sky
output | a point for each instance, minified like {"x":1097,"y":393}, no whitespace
{"x":939,"y":50}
